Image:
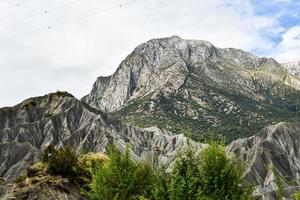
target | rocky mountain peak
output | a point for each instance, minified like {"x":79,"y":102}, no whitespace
{"x":165,"y":86}
{"x":162,"y":66}
{"x":193,"y":79}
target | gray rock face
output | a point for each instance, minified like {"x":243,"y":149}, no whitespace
{"x":271,"y":153}
{"x":162,"y":65}
{"x":196,"y":86}
{"x":293,"y":68}
{"x":60,"y":119}
{"x":15,"y":158}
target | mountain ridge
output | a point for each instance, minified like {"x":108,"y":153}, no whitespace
{"x":191,"y":79}
{"x":61,"y":120}
{"x":158,"y":145}
{"x":165,"y":90}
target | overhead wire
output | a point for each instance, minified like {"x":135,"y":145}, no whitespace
{"x":44,"y":11}
{"x":51,"y":26}
{"x":20,"y":2}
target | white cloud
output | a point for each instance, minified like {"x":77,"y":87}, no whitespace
{"x":289,"y":48}
{"x":70,"y":56}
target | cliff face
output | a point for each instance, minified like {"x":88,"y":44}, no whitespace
{"x":61,"y":120}
{"x":16,"y":157}
{"x":271,"y":154}
{"x":193,"y":86}
{"x":293,"y":68}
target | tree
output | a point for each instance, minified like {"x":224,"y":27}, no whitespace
{"x":120,"y":178}
{"x":160,"y":190}
{"x":185,"y":180}
{"x":210,"y":175}
{"x":221,"y":177}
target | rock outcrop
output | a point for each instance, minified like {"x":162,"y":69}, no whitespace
{"x":272,"y":155}
{"x":16,"y":157}
{"x":195,"y":87}
{"x":293,"y":68}
{"x":60,"y":119}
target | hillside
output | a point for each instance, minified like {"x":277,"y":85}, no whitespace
{"x":59,"y":119}
{"x":271,"y":154}
{"x":193,"y":87}
{"x":165,"y":91}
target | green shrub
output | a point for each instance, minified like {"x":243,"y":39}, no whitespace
{"x":210,"y":176}
{"x":120,"y":178}
{"x":160,"y":190}
{"x":280,"y":184}
{"x":20,"y":179}
{"x":89,"y":160}
{"x":297,"y":196}
{"x":61,"y":162}
{"x":185,"y":180}
{"x":221,"y":177}
{"x":37,"y":168}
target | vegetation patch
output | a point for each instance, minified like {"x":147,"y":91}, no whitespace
{"x":248,"y":118}
{"x":28,"y":105}
{"x":210,"y":175}
{"x":63,"y":161}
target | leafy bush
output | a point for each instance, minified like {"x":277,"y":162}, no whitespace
{"x":36,"y":169}
{"x":221,"y":177}
{"x":89,"y":160}
{"x":297,"y":196}
{"x":120,"y":178}
{"x":279,"y":183}
{"x":160,"y":190}
{"x":20,"y":179}
{"x":208,"y":176}
{"x":185,"y":180}
{"x":62,"y":161}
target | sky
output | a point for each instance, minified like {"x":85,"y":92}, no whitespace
{"x":65,"y":45}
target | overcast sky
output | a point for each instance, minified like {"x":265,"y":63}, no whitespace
{"x":66,"y":44}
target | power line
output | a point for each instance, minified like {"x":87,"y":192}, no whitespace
{"x":20,"y":2}
{"x":96,"y":12}
{"x":42,"y":12}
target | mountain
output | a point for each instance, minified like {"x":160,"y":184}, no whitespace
{"x":193,"y":87}
{"x":165,"y":86}
{"x":60,"y":119}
